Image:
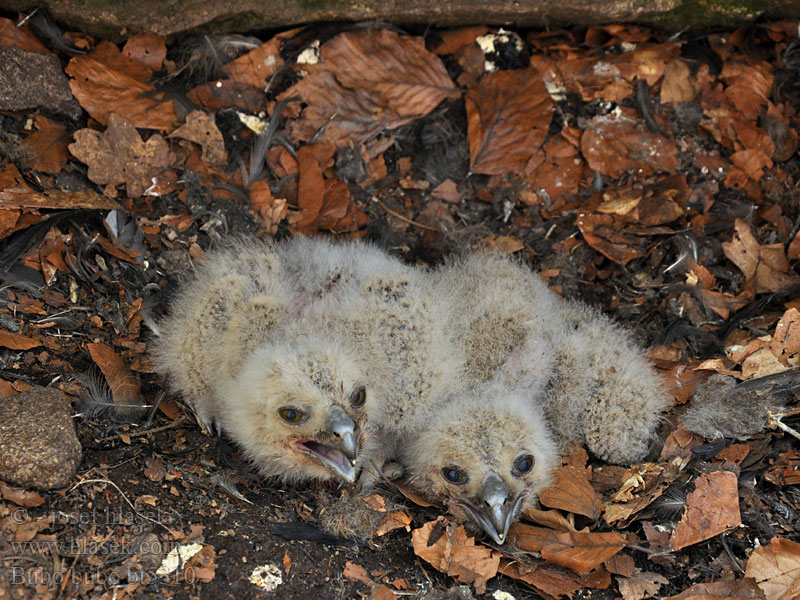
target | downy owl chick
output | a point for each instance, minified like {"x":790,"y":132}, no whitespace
{"x":380,"y":308}
{"x":486,"y":455}
{"x":298,"y":408}
{"x":241,"y":319}
{"x":600,"y":388}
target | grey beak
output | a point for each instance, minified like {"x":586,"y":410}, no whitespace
{"x":497,"y":504}
{"x":343,"y":427}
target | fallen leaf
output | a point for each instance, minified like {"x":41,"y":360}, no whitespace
{"x":394,"y":519}
{"x":48,"y":146}
{"x":571,"y":491}
{"x":619,"y":142}
{"x":576,"y":550}
{"x":119,"y":155}
{"x":505,"y":129}
{"x":357,"y":573}
{"x":776,"y":569}
{"x":554,"y":581}
{"x":201,"y":129}
{"x":20,"y":497}
{"x":15,"y":341}
{"x":768,"y":264}
{"x":728,"y":589}
{"x":457,"y":555}
{"x":147,"y":48}
{"x":641,"y":585}
{"x":368,"y":81}
{"x":712,"y":508}
{"x":56,"y":199}
{"x":103,"y":91}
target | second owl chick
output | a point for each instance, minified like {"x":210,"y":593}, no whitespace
{"x":600,"y":388}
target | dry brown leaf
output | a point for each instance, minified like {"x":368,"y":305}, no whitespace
{"x":48,"y":146}
{"x":19,"y":496}
{"x":785,"y":342}
{"x":367,"y":81}
{"x":712,"y":508}
{"x":256,"y":67}
{"x":508,"y":116}
{"x":551,"y":581}
{"x":621,"y":564}
{"x":735,"y":589}
{"x":767,"y":264}
{"x":456,"y":554}
{"x":641,"y":585}
{"x":576,"y":550}
{"x":394,"y":519}
{"x":619,"y":142}
{"x":15,"y":341}
{"x":103,"y":91}
{"x":147,"y":48}
{"x":571,"y":491}
{"x":11,"y":35}
{"x":124,"y":386}
{"x":504,"y":244}
{"x":553,"y":519}
{"x":604,"y":235}
{"x":776,"y":569}
{"x":119,"y":155}
{"x":785,"y":470}
{"x":357,"y":573}
{"x":201,"y":129}
{"x":641,"y":485}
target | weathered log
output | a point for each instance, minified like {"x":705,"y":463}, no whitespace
{"x":115,"y":19}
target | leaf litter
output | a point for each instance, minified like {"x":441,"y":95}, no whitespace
{"x":652,"y":177}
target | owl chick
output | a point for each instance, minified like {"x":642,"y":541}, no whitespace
{"x":381,"y":309}
{"x":486,"y":455}
{"x":600,"y":388}
{"x":297,"y":408}
{"x":238,"y":342}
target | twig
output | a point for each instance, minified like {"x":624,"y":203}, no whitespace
{"x":402,"y":218}
{"x":171,"y":425}
{"x":124,"y":497}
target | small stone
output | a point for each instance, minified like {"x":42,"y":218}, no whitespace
{"x":38,"y":445}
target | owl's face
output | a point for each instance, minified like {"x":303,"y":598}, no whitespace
{"x":298,"y":410}
{"x":486,"y":457}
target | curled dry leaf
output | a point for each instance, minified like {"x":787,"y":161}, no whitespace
{"x":124,"y":386}
{"x":712,"y":508}
{"x":201,"y":129}
{"x":367,"y":81}
{"x":119,"y":155}
{"x":456,"y":554}
{"x":508,"y":115}
{"x":394,"y":519}
{"x":571,"y":491}
{"x":576,"y":550}
{"x":776,"y":569}
{"x":20,"y":497}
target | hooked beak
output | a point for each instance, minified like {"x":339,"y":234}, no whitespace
{"x":340,"y":461}
{"x":498,"y":507}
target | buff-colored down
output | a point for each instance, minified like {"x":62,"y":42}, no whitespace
{"x":539,"y":374}
{"x":338,"y":334}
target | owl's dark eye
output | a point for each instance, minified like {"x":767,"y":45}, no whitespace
{"x":358,"y":397}
{"x":292,"y":415}
{"x":523,"y":464}
{"x":455,"y":475}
